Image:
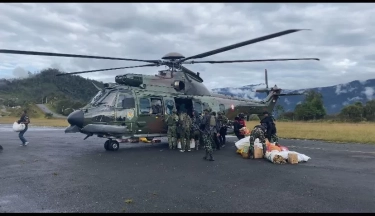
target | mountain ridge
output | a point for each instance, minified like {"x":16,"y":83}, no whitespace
{"x":335,"y":97}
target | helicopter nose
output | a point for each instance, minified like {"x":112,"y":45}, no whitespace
{"x":76,"y":118}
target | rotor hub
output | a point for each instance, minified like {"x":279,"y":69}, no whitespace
{"x":173,"y":56}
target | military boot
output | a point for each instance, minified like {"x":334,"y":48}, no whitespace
{"x":206,"y":156}
{"x":211,"y":158}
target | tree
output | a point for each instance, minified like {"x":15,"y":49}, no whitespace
{"x":352,"y":113}
{"x":369,"y":110}
{"x":279,"y":110}
{"x":311,"y":108}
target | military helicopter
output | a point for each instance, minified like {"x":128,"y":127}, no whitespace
{"x":135,"y":105}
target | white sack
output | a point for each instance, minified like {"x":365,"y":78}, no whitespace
{"x":257,"y":143}
{"x":18,"y":127}
{"x":192,"y":144}
{"x":179,"y":145}
{"x":270,"y":155}
{"x":284,"y":154}
{"x":242,"y":143}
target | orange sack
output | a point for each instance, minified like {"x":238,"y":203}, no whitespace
{"x":271,"y":147}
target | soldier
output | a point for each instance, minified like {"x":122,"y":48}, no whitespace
{"x":269,"y":124}
{"x":172,"y":121}
{"x":258,"y":132}
{"x":185,"y":129}
{"x":207,"y":134}
{"x":215,"y":131}
{"x":223,"y":121}
{"x":195,"y":133}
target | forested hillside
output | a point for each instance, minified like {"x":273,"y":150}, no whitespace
{"x":45,"y":87}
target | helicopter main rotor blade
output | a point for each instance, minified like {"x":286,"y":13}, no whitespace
{"x":241,"y":44}
{"x":22,"y":52}
{"x":91,"y":71}
{"x":254,"y":60}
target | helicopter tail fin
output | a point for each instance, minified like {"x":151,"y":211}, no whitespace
{"x":273,"y":94}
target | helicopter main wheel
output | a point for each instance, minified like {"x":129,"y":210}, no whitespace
{"x":113,"y":145}
{"x":106,"y":145}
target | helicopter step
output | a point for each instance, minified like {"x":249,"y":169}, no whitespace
{"x":111,"y":145}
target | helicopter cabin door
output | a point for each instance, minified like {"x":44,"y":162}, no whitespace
{"x":151,"y":113}
{"x":197,"y":107}
{"x":169,"y":105}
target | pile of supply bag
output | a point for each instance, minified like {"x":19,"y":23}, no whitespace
{"x":275,"y":153}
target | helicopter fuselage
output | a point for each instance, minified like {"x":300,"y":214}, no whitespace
{"x":138,"y":104}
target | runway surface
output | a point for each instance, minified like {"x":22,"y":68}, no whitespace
{"x":60,"y":172}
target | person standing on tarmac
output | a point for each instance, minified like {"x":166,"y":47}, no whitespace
{"x":195,"y":133}
{"x":215,"y":130}
{"x":237,"y":127}
{"x":223,"y":121}
{"x":207,"y":134}
{"x":185,"y":130}
{"x":171,"y":121}
{"x":24,"y":120}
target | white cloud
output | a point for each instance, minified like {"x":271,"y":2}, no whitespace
{"x":369,"y":92}
{"x":342,"y":38}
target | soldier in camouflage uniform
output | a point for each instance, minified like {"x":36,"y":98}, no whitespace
{"x":185,"y":129}
{"x":207,"y":134}
{"x":172,"y":121}
{"x":195,"y":132}
{"x":258,"y":132}
{"x":223,"y":122}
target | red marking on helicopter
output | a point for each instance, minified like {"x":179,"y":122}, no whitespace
{"x":232,"y":107}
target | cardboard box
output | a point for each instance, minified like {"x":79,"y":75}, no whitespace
{"x":292,"y":158}
{"x":258,"y":152}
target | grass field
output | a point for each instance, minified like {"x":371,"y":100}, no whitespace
{"x":333,"y":132}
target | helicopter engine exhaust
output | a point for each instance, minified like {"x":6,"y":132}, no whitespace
{"x":178,"y":85}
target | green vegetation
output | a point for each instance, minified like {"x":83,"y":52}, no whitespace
{"x":63,"y":94}
{"x":312,"y":109}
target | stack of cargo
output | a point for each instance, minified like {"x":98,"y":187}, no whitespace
{"x":275,"y":153}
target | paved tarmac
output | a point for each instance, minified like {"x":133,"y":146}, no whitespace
{"x":59,"y":172}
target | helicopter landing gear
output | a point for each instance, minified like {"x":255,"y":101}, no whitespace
{"x":111,"y":145}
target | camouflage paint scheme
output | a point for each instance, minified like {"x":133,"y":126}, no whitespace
{"x":166,"y":86}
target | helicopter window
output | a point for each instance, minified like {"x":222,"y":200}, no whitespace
{"x":222,"y":107}
{"x":109,"y":99}
{"x":144,"y":106}
{"x":156,"y":106}
{"x":169,"y":105}
{"x":125,"y":100}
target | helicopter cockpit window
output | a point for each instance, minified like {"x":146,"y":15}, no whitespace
{"x":169,"y":105}
{"x":109,"y":100}
{"x":156,"y":106}
{"x":144,"y":106}
{"x":125,"y":100}
{"x":96,"y":97}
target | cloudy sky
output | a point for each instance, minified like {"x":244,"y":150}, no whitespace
{"x":342,"y":37}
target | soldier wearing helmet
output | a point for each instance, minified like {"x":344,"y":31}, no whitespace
{"x":172,"y":121}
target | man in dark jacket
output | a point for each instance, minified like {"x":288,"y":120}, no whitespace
{"x":270,"y":127}
{"x":24,"y":120}
{"x":237,"y":127}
